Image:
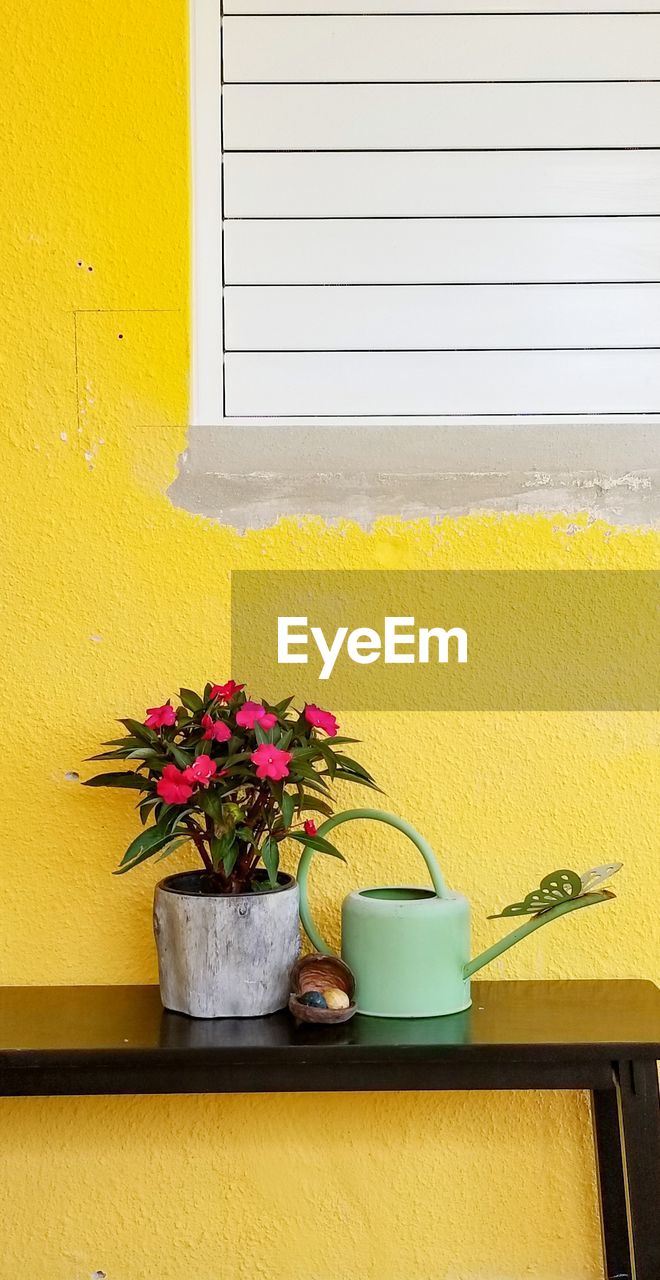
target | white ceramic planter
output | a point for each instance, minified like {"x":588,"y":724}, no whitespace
{"x":225,"y":957}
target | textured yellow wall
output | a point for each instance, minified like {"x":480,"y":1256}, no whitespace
{"x":111,"y":599}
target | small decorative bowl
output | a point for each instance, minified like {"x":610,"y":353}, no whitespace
{"x":318,"y":973}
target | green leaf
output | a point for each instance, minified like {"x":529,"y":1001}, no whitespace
{"x":140,"y":731}
{"x":169,"y":815}
{"x":230,"y":859}
{"x":317,"y":843}
{"x":309,"y":803}
{"x":288,"y":806}
{"x":304,"y":770}
{"x":210,"y":802}
{"x":121,"y":754}
{"x":329,"y":757}
{"x":175,"y":843}
{"x":221,"y":848}
{"x":143,"y":846}
{"x":182,"y":758}
{"x":276,"y":790}
{"x":145,"y":753}
{"x":190,"y":699}
{"x":261,"y":735}
{"x":236,"y":759}
{"x":239,"y":775}
{"x":146,"y":852}
{"x":312,"y":781}
{"x":280,"y":707}
{"x":130,"y":780}
{"x":346,"y":776}
{"x":226,"y":787}
{"x":270,"y":856}
{"x":353,"y":766}
{"x":145,"y":807}
{"x":153,"y":835}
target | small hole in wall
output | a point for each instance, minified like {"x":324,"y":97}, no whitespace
{"x":80,"y":264}
{"x":120,"y":335}
{"x":72,"y":776}
{"x":99,"y":1275}
{"x":90,"y":268}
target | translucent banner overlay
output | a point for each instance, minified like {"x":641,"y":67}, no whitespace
{"x":443,"y":641}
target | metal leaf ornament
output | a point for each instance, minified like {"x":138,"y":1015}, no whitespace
{"x":559,"y":887}
{"x":596,"y":876}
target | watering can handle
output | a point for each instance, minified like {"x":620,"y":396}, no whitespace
{"x":378,"y":815}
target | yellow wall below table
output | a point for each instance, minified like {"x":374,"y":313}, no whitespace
{"x":111,"y":599}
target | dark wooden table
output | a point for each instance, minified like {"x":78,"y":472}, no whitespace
{"x":601,"y":1036}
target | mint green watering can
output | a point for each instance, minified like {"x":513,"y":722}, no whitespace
{"x":409,"y":947}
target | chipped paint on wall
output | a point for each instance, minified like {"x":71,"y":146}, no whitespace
{"x":113,"y":597}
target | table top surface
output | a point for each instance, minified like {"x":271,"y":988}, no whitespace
{"x":527,"y":1020}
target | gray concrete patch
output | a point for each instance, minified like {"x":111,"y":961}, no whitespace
{"x":250,"y":476}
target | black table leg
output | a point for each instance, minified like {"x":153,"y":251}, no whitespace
{"x":611,"y":1184}
{"x":639,"y":1122}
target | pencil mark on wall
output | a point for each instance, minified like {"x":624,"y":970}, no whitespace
{"x":78,"y":311}
{"x":77,"y":367}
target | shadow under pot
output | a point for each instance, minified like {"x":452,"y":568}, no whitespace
{"x":225,"y":956}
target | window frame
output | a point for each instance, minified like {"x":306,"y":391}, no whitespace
{"x":205,"y":60}
{"x":207,"y":283}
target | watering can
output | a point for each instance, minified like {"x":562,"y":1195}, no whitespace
{"x":409,"y":947}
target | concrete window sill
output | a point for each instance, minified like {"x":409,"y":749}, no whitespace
{"x":249,"y":476}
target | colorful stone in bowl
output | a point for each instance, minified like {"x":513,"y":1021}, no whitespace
{"x":318,"y":975}
{"x":314,"y":1000}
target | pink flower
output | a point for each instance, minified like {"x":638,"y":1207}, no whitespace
{"x":173,"y":787}
{"x":226,"y":691}
{"x":250,"y":714}
{"x":271,"y":762}
{"x":310,"y":828}
{"x":157,"y":717}
{"x":215,"y":730}
{"x":321,"y":719}
{"x":200,"y":771}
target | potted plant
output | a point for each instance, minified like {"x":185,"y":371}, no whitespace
{"x":234,"y":777}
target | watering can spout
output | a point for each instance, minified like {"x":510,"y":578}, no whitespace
{"x":536,"y":922}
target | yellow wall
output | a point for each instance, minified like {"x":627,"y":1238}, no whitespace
{"x":112,"y":598}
